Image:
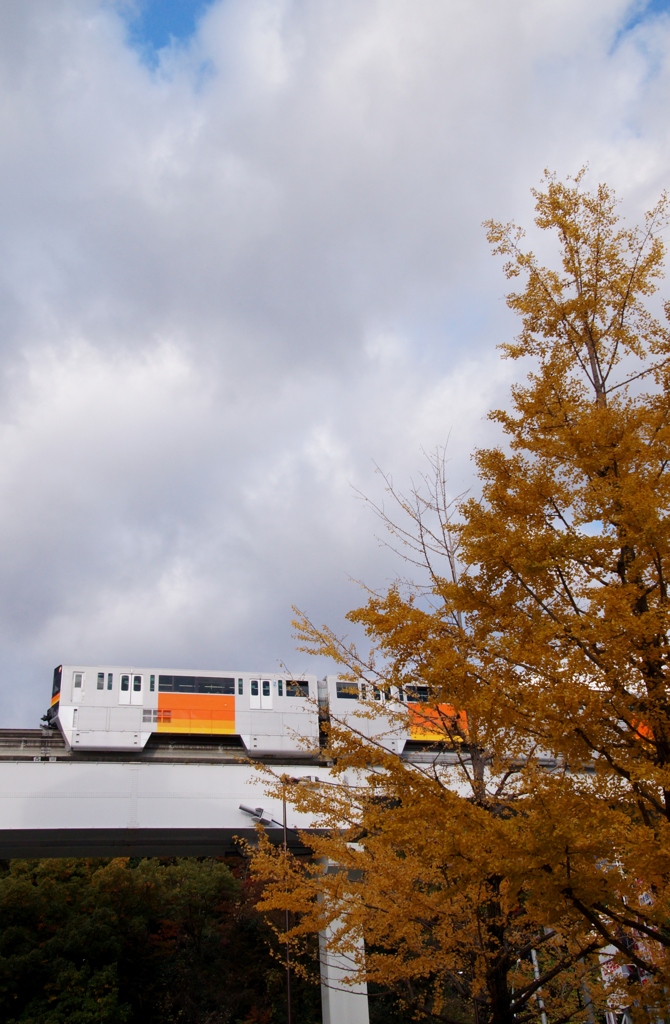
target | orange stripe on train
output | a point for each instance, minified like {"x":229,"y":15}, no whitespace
{"x":196,"y":713}
{"x":437,"y":723}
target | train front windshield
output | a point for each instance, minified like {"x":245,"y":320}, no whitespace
{"x":55,"y":694}
{"x":58,"y":675}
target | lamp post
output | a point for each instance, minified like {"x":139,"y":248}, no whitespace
{"x":286,"y":912}
{"x":261,"y":818}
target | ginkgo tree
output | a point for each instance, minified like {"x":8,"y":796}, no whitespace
{"x":496,"y":879}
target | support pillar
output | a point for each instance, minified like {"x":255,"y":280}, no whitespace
{"x":340,"y":1003}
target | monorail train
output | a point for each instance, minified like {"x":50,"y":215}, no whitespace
{"x":118,"y":708}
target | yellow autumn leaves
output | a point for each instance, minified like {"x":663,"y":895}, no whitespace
{"x":547,"y":624}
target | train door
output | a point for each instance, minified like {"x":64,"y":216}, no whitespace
{"x":136,"y":690}
{"x":266,"y":694}
{"x":255,"y":694}
{"x":124,"y":689}
{"x":77,"y":685}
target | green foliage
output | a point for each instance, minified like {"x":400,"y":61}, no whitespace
{"x":139,"y":942}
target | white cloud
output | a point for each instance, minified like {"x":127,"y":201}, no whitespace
{"x":230,"y":284}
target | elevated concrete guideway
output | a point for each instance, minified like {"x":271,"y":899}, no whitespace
{"x":177,"y":796}
{"x":172,"y":799}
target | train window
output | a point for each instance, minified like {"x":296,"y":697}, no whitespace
{"x":377,"y":694}
{"x":280,"y":688}
{"x":208,"y":684}
{"x":78,"y":679}
{"x":110,"y":679}
{"x":240,"y":686}
{"x":125,"y":683}
{"x":177,"y":684}
{"x":296,"y":689}
{"x":417,"y":693}
{"x":266,"y":687}
{"x":183,"y":684}
{"x":197,"y":684}
{"x":152,"y":683}
{"x":137,"y":684}
{"x":348,"y":691}
{"x":101,"y":680}
{"x":254,"y":687}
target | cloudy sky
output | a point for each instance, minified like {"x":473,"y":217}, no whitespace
{"x":241,"y":262}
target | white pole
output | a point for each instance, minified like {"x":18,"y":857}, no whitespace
{"x":340,"y":1003}
{"x":536,"y":972}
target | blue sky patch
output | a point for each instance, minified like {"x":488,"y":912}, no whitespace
{"x":154,"y":24}
{"x":644,"y":12}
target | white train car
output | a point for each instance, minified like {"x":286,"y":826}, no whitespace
{"x":410,"y":716}
{"x":346,"y":704}
{"x":118,"y":708}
